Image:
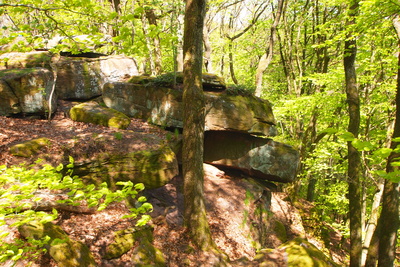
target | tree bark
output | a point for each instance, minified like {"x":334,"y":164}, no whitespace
{"x":267,"y":57}
{"x":152,"y":19}
{"x":231,"y":65}
{"x":372,"y":222}
{"x":390,"y":199}
{"x":207,"y":50}
{"x":354,"y":160}
{"x":193,"y":128}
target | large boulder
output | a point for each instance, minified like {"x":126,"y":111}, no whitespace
{"x":26,"y":91}
{"x":78,"y":77}
{"x":258,"y":157}
{"x":163,"y":106}
{"x":154,"y":168}
{"x":83,"y":78}
{"x":18,"y":60}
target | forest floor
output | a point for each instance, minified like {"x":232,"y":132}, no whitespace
{"x":95,"y":230}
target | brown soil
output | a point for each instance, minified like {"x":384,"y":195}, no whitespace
{"x":224,"y":196}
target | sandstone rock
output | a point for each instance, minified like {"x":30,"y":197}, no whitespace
{"x":303,"y":253}
{"x":247,"y":114}
{"x":153,"y":168}
{"x":145,"y":252}
{"x":18,"y":60}
{"x":65,"y":251}
{"x":91,"y":112}
{"x":9,"y":103}
{"x":77,"y":77}
{"x":83,"y":78}
{"x":124,"y":240}
{"x":26,"y":91}
{"x":163,"y":106}
{"x":29,"y":148}
{"x":259,"y":157}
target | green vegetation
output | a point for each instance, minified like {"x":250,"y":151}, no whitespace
{"x":304,"y":78}
{"x":23,"y":191}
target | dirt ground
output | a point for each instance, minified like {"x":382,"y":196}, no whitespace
{"x":224,"y":196}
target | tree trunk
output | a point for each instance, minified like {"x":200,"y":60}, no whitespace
{"x":193,"y":128}
{"x":148,"y":44}
{"x":231,"y":66}
{"x":152,"y":19}
{"x":267,"y":57}
{"x":390,"y":201}
{"x":207,"y":50}
{"x":372,"y":222}
{"x":354,"y":160}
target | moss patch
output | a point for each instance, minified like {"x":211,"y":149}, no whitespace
{"x":124,"y":240}
{"x":280,"y":231}
{"x":29,"y":148}
{"x":65,"y":251}
{"x":146,"y":254}
{"x":153,"y":168}
{"x":92,"y":112}
{"x":302,"y":253}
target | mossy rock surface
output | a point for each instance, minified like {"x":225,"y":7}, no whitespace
{"x":92,"y":112}
{"x":124,"y":240}
{"x":302,"y":253}
{"x":145,"y":253}
{"x":280,"y":231}
{"x":29,"y":148}
{"x":65,"y":251}
{"x":33,"y":59}
{"x":153,"y":168}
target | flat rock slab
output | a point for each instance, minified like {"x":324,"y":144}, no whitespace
{"x":92,"y":112}
{"x":258,"y":157}
{"x":163,"y":106}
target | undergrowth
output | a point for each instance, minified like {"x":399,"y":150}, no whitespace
{"x":20,"y":193}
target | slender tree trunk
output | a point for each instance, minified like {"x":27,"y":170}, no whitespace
{"x":354,"y":160}
{"x":267,"y":57}
{"x":372,"y":222}
{"x":157,"y":55}
{"x":207,"y":50}
{"x":148,"y":44}
{"x":390,"y":198}
{"x":231,"y":65}
{"x":193,"y":128}
{"x":383,"y":243}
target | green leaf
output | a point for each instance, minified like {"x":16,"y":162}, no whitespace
{"x":347,"y":136}
{"x":139,"y":186}
{"x":330,"y":131}
{"x":142,"y":199}
{"x":362,"y":145}
{"x":382,"y":152}
{"x":143,"y":220}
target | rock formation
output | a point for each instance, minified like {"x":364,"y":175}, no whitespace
{"x":257,"y":157}
{"x":232,"y":121}
{"x":26,"y":91}
{"x":163,"y":106}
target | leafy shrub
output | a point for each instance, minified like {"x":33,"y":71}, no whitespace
{"x":19,"y":188}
